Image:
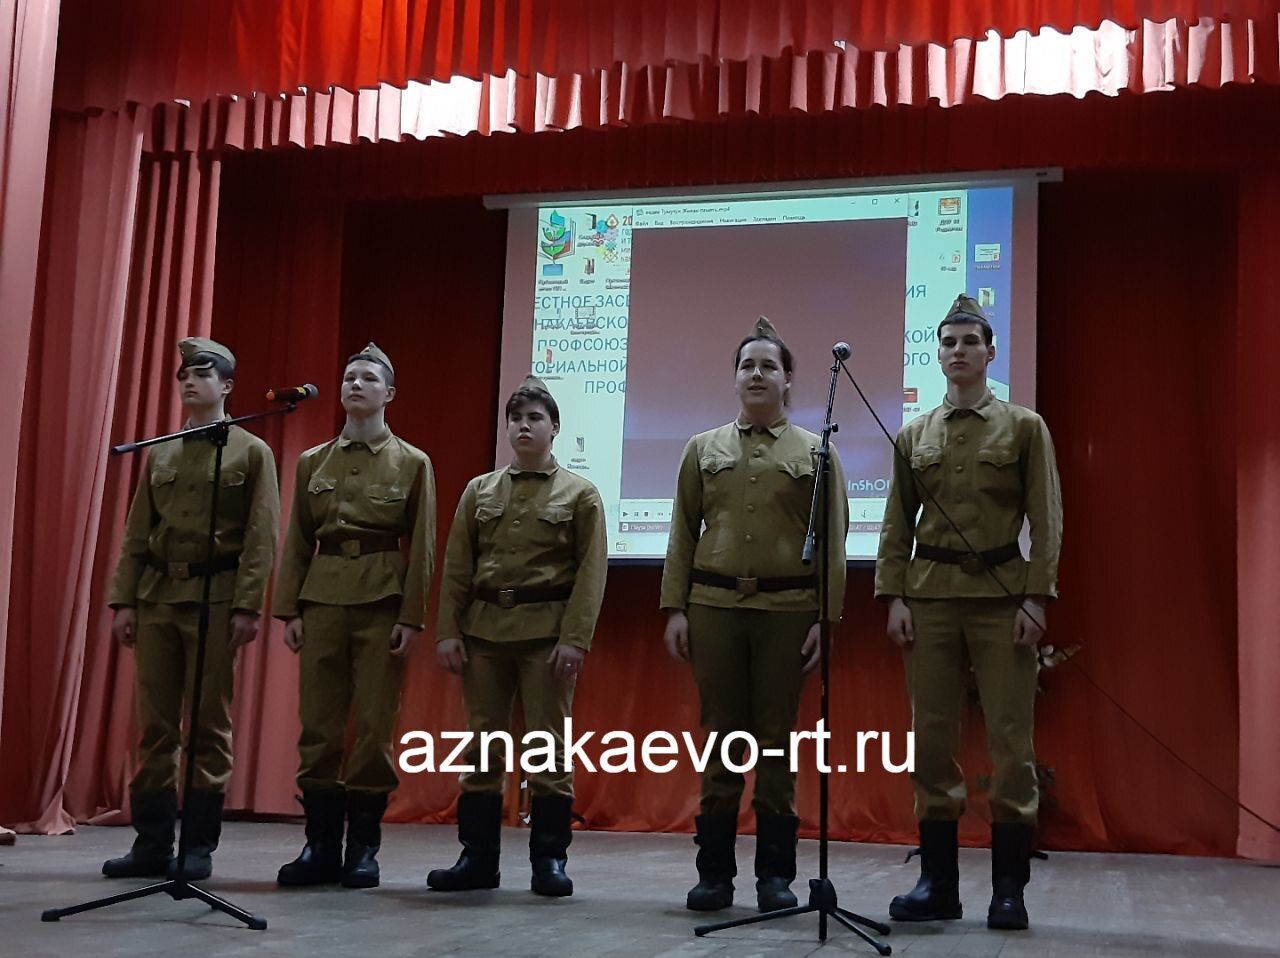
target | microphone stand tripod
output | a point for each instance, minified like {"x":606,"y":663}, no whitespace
{"x":822,"y":893}
{"x":180,"y":888}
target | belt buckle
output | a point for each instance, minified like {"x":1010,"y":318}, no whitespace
{"x":506,"y":598}
{"x":972,"y":564}
{"x":748,"y":587}
{"x":179,"y":570}
{"x":350,"y":548}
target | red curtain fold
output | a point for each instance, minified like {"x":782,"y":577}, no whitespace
{"x":66,"y":425}
{"x":154,"y":51}
{"x":28,"y":31}
{"x":1257,"y":524}
{"x":1110,"y":61}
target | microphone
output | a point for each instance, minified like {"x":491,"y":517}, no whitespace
{"x":841,"y":351}
{"x":292,"y":393}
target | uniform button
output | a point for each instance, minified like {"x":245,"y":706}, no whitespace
{"x":749,"y":539}
{"x":516,"y":522}
{"x":355,"y":470}
{"x":342,"y":522}
{"x":756,"y":454}
{"x":959,"y":468}
{"x":751,"y":508}
{"x":961,"y":440}
{"x":755,"y":478}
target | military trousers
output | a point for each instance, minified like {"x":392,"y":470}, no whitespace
{"x":747,"y":663}
{"x":494,"y":674}
{"x":165,"y":672}
{"x":348,"y":678}
{"x":951,"y":637}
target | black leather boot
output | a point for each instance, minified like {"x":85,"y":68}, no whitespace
{"x":154,"y":815}
{"x":550,"y":832}
{"x":364,"y":838}
{"x":201,"y":827}
{"x":716,"y":862}
{"x":775,"y":861}
{"x":480,"y":832}
{"x":937,"y":893}
{"x":1010,"y":872}
{"x":320,"y":862}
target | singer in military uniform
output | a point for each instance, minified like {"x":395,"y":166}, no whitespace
{"x":524,"y":575}
{"x":965,"y":477}
{"x":156,"y":596}
{"x":353,"y":604}
{"x":743,"y":608}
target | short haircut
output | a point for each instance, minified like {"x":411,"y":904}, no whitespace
{"x":388,"y":374}
{"x":533,"y":394}
{"x":968,"y":319}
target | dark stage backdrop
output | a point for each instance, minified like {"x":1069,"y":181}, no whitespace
{"x":1135,"y":364}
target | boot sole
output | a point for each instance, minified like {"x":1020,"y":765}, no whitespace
{"x":897,"y":914}
{"x":483,"y":886}
{"x":361,"y":882}
{"x":550,"y":892}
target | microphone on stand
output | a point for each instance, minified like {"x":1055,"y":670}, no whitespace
{"x":292,"y":393}
{"x":841,"y":351}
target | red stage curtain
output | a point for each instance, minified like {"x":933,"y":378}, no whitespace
{"x":1110,"y":60}
{"x":122,"y":232}
{"x":28,"y":29}
{"x":154,"y":51}
{"x":1258,"y":513}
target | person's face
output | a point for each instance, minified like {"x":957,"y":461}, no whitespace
{"x":201,"y":388}
{"x":530,"y":430}
{"x":962,"y":353}
{"x":364,"y":391}
{"x":761,"y":383}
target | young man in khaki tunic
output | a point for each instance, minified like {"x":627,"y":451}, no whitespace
{"x":156,"y":595}
{"x":968,"y":600}
{"x":353,"y":604}
{"x":524,"y":574}
{"x":743,"y":609}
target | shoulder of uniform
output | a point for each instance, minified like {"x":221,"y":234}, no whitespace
{"x":251,"y":440}
{"x":410,"y":450}
{"x":316,"y":452}
{"x":575,"y":481}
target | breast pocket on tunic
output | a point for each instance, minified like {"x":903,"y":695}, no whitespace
{"x":717,"y":480}
{"x":231,"y":491}
{"x":320,"y":496}
{"x":489,"y":512}
{"x":925,"y":460}
{"x":555,"y":524}
{"x":999,"y":474}
{"x":386,"y":502}
{"x":163,"y":484}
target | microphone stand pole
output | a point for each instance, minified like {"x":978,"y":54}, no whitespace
{"x":822,"y":893}
{"x":180,"y":888}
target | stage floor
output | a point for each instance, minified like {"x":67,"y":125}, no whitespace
{"x":629,"y":902}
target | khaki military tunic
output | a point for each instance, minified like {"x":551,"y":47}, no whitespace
{"x":988,"y":467}
{"x":742,"y":504}
{"x":520,"y":529}
{"x":168,"y":525}
{"x":349,"y":494}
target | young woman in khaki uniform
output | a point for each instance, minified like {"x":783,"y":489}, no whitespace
{"x":743,"y":609}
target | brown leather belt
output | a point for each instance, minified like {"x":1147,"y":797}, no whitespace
{"x":354,"y":548}
{"x":751,"y":586}
{"x":971,"y":562}
{"x":510,"y":598}
{"x":193,"y":570}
